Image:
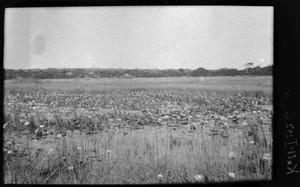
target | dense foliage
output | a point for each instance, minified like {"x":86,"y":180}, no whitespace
{"x":52,"y":73}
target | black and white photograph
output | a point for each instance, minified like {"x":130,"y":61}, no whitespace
{"x":138,"y":94}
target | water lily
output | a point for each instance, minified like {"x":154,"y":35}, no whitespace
{"x":231,"y":155}
{"x":159,"y":176}
{"x":199,"y":178}
{"x":231,"y":174}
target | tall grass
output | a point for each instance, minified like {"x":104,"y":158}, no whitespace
{"x":137,"y":157}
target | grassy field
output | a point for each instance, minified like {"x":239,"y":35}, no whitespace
{"x":206,"y":83}
{"x":138,"y":131}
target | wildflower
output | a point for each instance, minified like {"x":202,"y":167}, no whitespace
{"x":8,"y":143}
{"x":159,"y":176}
{"x":9,"y":152}
{"x":50,"y":151}
{"x":244,"y":123}
{"x":59,"y":135}
{"x":5,"y":149}
{"x":42,"y":126}
{"x":231,"y":174}
{"x":79,"y":148}
{"x":267,"y":156}
{"x":26,"y":123}
{"x":251,"y":141}
{"x":4,"y":125}
{"x":231,"y":155}
{"x":64,"y":158}
{"x":71,"y":168}
{"x":199,"y":178}
{"x":108,"y":152}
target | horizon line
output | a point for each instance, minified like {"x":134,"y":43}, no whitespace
{"x":128,"y":68}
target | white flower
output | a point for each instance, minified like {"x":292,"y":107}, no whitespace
{"x":4,"y":125}
{"x":50,"y":151}
{"x":231,"y":155}
{"x":231,"y":174}
{"x":71,"y":168}
{"x":108,"y":152}
{"x":64,"y":158}
{"x":267,"y":156}
{"x":42,"y":126}
{"x":79,"y":148}
{"x":59,"y":135}
{"x":26,"y":123}
{"x":251,"y":141}
{"x":199,"y":178}
{"x":9,"y":152}
{"x":8,"y":143}
{"x":159,"y":176}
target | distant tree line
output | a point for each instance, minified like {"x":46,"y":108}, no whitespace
{"x":52,"y":73}
{"x":255,"y":71}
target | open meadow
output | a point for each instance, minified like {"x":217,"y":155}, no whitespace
{"x":138,"y":130}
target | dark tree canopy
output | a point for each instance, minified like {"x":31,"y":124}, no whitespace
{"x":52,"y":73}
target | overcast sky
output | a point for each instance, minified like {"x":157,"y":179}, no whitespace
{"x":145,"y":37}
